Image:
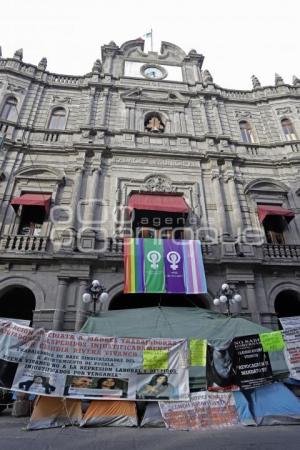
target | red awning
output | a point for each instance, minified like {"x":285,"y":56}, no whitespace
{"x":167,"y":203}
{"x":33,"y":200}
{"x":272,"y":210}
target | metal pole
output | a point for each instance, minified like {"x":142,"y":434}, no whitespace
{"x":151,"y":40}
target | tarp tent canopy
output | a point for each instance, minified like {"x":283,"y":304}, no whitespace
{"x":179,"y":322}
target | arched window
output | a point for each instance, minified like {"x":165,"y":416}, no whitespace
{"x":9,"y":110}
{"x":246,"y":132}
{"x":288,"y":130}
{"x":153,"y":123}
{"x":58,"y":119}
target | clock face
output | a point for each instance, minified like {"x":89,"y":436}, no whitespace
{"x":153,"y":72}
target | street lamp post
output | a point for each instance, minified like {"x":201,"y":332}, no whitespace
{"x":95,"y":292}
{"x":227,"y":295}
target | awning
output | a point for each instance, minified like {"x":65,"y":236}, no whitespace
{"x":167,"y":203}
{"x":33,"y":200}
{"x":272,"y":210}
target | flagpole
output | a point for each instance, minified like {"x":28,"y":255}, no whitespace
{"x":151,"y":40}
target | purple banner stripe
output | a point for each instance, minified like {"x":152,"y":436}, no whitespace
{"x":174,"y":259}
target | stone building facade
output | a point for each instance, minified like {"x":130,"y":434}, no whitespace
{"x":75,"y":148}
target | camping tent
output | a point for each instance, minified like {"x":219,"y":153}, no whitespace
{"x":180,"y":322}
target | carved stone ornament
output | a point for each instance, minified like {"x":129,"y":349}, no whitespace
{"x":207,"y":78}
{"x":285,"y":110}
{"x":18,"y":54}
{"x":296,"y":81}
{"x":243,"y":114}
{"x":60,"y":99}
{"x":97,"y":67}
{"x":157,"y":184}
{"x":255,"y":82}
{"x":15,"y":88}
{"x":278,"y":80}
{"x":43,"y":64}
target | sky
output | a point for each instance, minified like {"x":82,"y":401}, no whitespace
{"x":238,"y":38}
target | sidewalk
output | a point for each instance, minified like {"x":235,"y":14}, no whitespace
{"x":14,"y":437}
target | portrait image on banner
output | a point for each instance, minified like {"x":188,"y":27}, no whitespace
{"x":220,"y":368}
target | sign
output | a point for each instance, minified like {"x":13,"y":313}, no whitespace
{"x":205,"y":411}
{"x":90,"y":366}
{"x":272,"y":342}
{"x":251,"y":364}
{"x":290,"y":322}
{"x":198,"y":352}
{"x":220,"y":369}
{"x":292,"y":351}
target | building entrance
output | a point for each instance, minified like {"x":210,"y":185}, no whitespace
{"x":287,"y":303}
{"x":128,"y":301}
{"x":17,"y":303}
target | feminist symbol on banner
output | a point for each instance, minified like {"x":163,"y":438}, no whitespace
{"x":173,"y":258}
{"x":154,"y":257}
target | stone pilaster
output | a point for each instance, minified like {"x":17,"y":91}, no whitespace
{"x":58,"y":317}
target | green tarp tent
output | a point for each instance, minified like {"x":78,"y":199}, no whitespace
{"x":183,"y":322}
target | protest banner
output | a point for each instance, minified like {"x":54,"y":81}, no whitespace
{"x":292,"y":351}
{"x":205,"y":410}
{"x":290,"y":322}
{"x":251,"y":364}
{"x":76,"y":365}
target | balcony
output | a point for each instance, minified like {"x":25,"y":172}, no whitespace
{"x":282,"y":252}
{"x":19,"y":243}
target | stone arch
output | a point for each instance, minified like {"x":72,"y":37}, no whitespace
{"x":129,"y":46}
{"x":278,"y":289}
{"x":35,"y":288}
{"x":41,"y":172}
{"x":263,"y":184}
{"x":116,"y":292}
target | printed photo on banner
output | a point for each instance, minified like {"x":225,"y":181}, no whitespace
{"x":95,"y":387}
{"x":162,"y":385}
{"x":38,"y":383}
{"x":220,"y":369}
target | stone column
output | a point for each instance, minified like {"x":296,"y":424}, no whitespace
{"x":76,"y":195}
{"x":104,"y":107}
{"x":252,"y":304}
{"x":58,"y":317}
{"x":204,"y":116}
{"x":132,"y":118}
{"x":91,"y":204}
{"x":182,"y":122}
{"x":81,"y":308}
{"x":215,"y":109}
{"x":221,"y":213}
{"x":177,"y":122}
{"x":89,"y":116}
{"x":236,"y":217}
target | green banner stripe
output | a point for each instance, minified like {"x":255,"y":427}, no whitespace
{"x":154,"y":265}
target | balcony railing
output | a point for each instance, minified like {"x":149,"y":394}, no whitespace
{"x":276,"y":251}
{"x":20,"y":243}
{"x":115,"y":246}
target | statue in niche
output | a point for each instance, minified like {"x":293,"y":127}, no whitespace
{"x":154,"y":124}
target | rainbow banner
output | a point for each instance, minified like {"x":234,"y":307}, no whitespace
{"x":163,"y":266}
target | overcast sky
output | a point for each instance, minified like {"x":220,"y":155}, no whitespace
{"x":238,"y":38}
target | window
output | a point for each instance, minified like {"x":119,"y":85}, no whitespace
{"x":274,"y":229}
{"x":288,"y":130}
{"x":153,"y":123}
{"x":246,"y":132}
{"x":58,"y":119}
{"x":31,"y":221}
{"x":9,"y":110}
